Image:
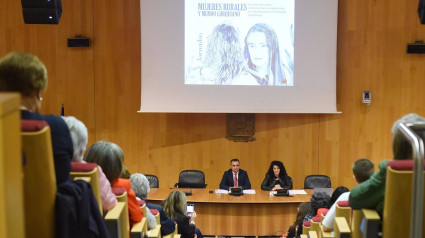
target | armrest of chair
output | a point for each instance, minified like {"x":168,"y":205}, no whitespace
{"x":312,"y":234}
{"x":371,"y":220}
{"x":87,"y":179}
{"x":113,"y":219}
{"x":342,"y":229}
{"x":155,"y":232}
{"x":137,"y":231}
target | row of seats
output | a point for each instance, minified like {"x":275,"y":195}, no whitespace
{"x":196,"y":179}
{"x":366,"y":222}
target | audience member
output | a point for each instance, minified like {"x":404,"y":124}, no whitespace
{"x":318,"y":200}
{"x":109,"y":156}
{"x":26,"y":74}
{"x":79,"y":136}
{"x":175,"y":207}
{"x":303,"y":209}
{"x":370,"y":194}
{"x":140,"y":185}
{"x":235,"y":177}
{"x":362,"y":170}
{"x":276,"y":177}
{"x":337,"y":193}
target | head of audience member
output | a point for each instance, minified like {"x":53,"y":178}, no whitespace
{"x":262,"y":51}
{"x":303,"y":209}
{"x":318,"y":200}
{"x":337,"y":192}
{"x":25,"y":74}
{"x":125,"y":173}
{"x":224,"y":53}
{"x":401,"y":147}
{"x":140,"y":185}
{"x":277,"y":169}
{"x":79,"y":136}
{"x":175,"y":204}
{"x":108,"y":156}
{"x":234,"y":163}
{"x":362,"y":169}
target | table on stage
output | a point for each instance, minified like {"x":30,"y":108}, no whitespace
{"x":248,"y":215}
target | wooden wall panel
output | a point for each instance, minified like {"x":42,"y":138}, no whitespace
{"x":101,"y":86}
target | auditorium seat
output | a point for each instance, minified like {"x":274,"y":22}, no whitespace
{"x":398,"y":199}
{"x":191,"y":179}
{"x":343,"y":209}
{"x":153,"y":180}
{"x":306,"y":227}
{"x":123,"y":228}
{"x":39,"y":179}
{"x":341,"y":228}
{"x":317,"y":181}
{"x":91,"y":171}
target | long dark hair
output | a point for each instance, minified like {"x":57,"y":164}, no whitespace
{"x":335,"y":195}
{"x":282,"y":173}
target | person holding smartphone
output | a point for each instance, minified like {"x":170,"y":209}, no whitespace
{"x":175,"y":206}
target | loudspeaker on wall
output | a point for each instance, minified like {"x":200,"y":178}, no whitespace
{"x":41,"y":11}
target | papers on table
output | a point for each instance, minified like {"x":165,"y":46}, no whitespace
{"x":221,"y":191}
{"x":294,"y":192}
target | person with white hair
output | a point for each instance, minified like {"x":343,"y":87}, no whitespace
{"x":140,"y":185}
{"x":370,"y":194}
{"x":79,"y":137}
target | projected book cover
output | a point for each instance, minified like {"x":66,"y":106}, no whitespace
{"x":239,"y":42}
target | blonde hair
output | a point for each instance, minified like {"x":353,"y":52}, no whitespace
{"x":175,"y":204}
{"x":23,"y":73}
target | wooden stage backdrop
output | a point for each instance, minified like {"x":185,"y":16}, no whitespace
{"x":100,"y":85}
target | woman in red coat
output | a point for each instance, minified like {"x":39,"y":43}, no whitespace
{"x":109,"y":156}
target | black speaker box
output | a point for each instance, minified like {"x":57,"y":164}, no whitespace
{"x":417,"y":48}
{"x":78,"y":42}
{"x":41,"y":11}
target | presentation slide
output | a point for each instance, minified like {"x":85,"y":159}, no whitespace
{"x":239,"y":43}
{"x":238,"y":56}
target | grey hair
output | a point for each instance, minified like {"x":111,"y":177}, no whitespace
{"x":411,"y":118}
{"x":79,"y":136}
{"x":140,"y":185}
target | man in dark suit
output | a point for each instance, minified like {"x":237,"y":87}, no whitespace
{"x":235,"y":177}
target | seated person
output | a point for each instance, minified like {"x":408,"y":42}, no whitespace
{"x":27,"y":75}
{"x":140,"y":185}
{"x":303,"y":209}
{"x":318,"y":200}
{"x":175,"y":207}
{"x":370,"y":194}
{"x":79,"y":136}
{"x":108,"y":156}
{"x":362,"y":170}
{"x":276,"y":177}
{"x":235,"y":177}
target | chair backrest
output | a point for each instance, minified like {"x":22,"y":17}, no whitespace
{"x":39,"y":179}
{"x":153,"y":180}
{"x":121,"y":195}
{"x":343,"y":209}
{"x":398,"y":197}
{"x":192,"y":179}
{"x":11,"y":169}
{"x":88,"y":170}
{"x":317,"y":181}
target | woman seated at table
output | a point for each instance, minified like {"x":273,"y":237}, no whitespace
{"x":175,"y":207}
{"x":276,"y":178}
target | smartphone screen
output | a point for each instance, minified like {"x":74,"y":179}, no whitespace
{"x":190,"y":208}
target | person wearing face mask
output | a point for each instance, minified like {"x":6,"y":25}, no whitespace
{"x":276,"y":177}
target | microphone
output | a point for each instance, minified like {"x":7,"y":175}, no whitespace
{"x":189,"y":193}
